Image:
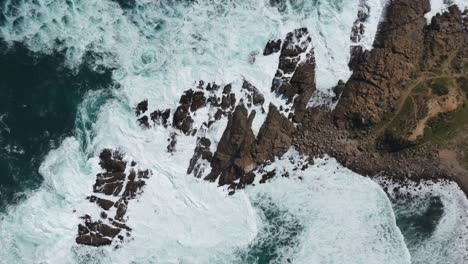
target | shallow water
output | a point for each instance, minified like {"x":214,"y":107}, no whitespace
{"x":155,"y":50}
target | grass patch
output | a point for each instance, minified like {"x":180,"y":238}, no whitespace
{"x":419,"y":88}
{"x":447,"y":125}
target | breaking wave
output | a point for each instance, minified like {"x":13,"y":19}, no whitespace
{"x":158,"y":49}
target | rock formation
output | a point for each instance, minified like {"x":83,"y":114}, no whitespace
{"x":295,"y":77}
{"x":114,"y":188}
{"x":234,"y":156}
{"x":402,"y":114}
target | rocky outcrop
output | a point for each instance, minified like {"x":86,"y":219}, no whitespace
{"x":380,"y":75}
{"x":161,"y":117}
{"x":446,"y":42}
{"x":295,"y":77}
{"x":412,"y":80}
{"x":271,"y":47}
{"x":201,"y":157}
{"x":189,"y":102}
{"x":239,"y":152}
{"x":253,"y":95}
{"x":404,"y":107}
{"x":114,"y":188}
{"x":275,"y":136}
{"x":234,"y":156}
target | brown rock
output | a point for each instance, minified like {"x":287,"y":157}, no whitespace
{"x":396,"y":54}
{"x":274,"y":137}
{"x":233,"y":157}
{"x":253,"y":94}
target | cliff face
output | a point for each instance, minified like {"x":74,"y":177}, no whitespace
{"x":380,"y":75}
{"x":403,"y":112}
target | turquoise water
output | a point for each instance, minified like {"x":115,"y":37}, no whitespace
{"x":70,"y":73}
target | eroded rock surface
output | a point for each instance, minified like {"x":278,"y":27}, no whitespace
{"x":271,"y":47}
{"x":295,"y":77}
{"x":114,"y":188}
{"x":234,"y":155}
{"x":408,"y":87}
{"x":380,"y":75}
{"x":274,"y":137}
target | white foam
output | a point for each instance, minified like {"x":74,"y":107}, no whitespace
{"x":180,"y":219}
{"x":449,"y":241}
{"x":333,"y":205}
{"x":440,"y":6}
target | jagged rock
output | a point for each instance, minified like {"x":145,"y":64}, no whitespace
{"x":112,"y":161}
{"x":295,"y":43}
{"x":160,"y":117}
{"x":144,"y":174}
{"x":121,"y":206}
{"x":271,"y":47}
{"x":103,"y":203}
{"x":233,"y":157}
{"x":378,"y":74}
{"x":301,"y":85}
{"x":133,"y":186}
{"x":111,"y":182}
{"x":172,"y":143}
{"x":143,"y":122}
{"x":190,"y":101}
{"x":253,"y":94}
{"x":268,"y":175}
{"x":141,"y":107}
{"x":229,"y":99}
{"x":274,"y":137}
{"x":95,"y":233}
{"x":202,"y":150}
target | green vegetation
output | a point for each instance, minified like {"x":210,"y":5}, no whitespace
{"x":446,"y":125}
{"x":419,"y":88}
{"x":463,"y":84}
{"x":440,"y":86}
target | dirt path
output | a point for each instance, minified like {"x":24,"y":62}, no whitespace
{"x":407,"y":92}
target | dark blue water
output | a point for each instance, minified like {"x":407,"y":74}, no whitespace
{"x":39,"y":98}
{"x":279,"y":234}
{"x":417,"y":220}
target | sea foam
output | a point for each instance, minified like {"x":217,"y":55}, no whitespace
{"x":157,"y":51}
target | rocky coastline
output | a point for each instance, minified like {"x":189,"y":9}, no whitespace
{"x":403,"y":114}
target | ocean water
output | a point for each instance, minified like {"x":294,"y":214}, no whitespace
{"x":39,"y":102}
{"x":88,"y":63}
